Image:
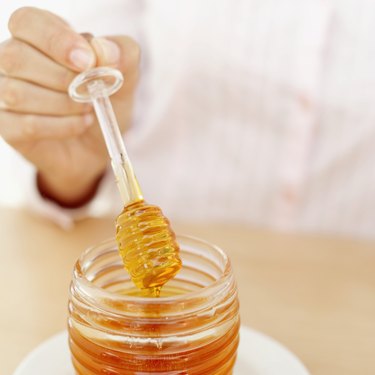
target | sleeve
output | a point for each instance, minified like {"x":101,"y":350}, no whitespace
{"x":105,"y":203}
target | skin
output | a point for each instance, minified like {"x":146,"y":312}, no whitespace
{"x":37,"y":117}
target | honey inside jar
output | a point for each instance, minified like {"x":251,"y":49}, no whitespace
{"x":192,"y":328}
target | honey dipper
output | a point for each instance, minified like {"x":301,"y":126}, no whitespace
{"x":145,"y":239}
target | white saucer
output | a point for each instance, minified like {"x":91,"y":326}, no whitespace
{"x":258,"y":354}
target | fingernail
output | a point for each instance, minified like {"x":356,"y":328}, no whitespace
{"x":82,"y":58}
{"x":109,"y":50}
{"x":88,"y":119}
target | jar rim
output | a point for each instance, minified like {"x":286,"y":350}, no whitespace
{"x":90,"y":289}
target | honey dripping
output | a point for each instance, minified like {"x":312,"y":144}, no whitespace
{"x":148,"y":247}
{"x":146,"y":241}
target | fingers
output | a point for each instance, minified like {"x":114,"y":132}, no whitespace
{"x":108,"y":53}
{"x":17,"y":128}
{"x":21,"y":96}
{"x":120,"y":51}
{"x":130,"y":54}
{"x":20,"y":60}
{"x":53,"y":37}
{"x":39,"y":63}
{"x":123,"y":53}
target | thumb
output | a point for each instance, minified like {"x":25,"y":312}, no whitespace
{"x":121,"y":52}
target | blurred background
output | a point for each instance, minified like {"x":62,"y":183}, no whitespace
{"x":256,"y":111}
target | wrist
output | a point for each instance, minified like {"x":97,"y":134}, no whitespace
{"x":69,"y":191}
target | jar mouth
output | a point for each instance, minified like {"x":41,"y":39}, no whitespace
{"x":216,"y":273}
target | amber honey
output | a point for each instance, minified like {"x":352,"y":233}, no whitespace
{"x":147,"y":245}
{"x":216,"y":358}
{"x":115,"y":328}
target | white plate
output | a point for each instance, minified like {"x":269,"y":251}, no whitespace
{"x":258,"y":354}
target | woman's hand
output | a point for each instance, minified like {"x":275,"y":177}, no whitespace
{"x":37,"y":117}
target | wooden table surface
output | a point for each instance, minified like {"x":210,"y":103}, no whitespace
{"x":316,"y":295}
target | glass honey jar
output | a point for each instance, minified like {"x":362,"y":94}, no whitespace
{"x":192,"y":328}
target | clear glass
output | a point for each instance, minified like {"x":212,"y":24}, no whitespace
{"x":79,"y":89}
{"x":96,"y":86}
{"x":193,"y":328}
